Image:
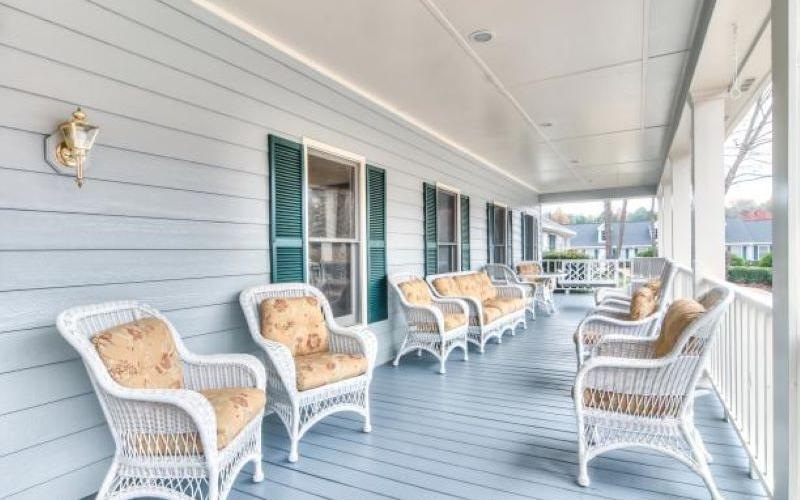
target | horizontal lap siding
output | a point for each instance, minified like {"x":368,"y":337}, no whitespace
{"x":175,"y":208}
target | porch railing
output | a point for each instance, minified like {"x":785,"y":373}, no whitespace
{"x":584,"y":273}
{"x":740,"y":370}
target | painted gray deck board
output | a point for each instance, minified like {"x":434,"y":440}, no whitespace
{"x":498,"y":426}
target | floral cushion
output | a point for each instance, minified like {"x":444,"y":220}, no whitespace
{"x":488,"y":291}
{"x":446,"y":286}
{"x":416,"y":292}
{"x":234,"y":408}
{"x":505,"y":304}
{"x":141,"y":355}
{"x":680,"y":315}
{"x":296,"y":322}
{"x":454,"y":320}
{"x":643,"y":303}
{"x":654,"y":286}
{"x":633,"y":404}
{"x":316,"y":370}
{"x":490,"y":314}
{"x":469,"y":285}
{"x":530,"y":269}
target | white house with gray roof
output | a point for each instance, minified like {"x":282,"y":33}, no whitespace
{"x":748,"y":239}
{"x":590,"y":238}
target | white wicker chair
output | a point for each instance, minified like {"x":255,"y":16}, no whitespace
{"x":643,"y":269}
{"x":502,"y":274}
{"x":607,"y":321}
{"x":620,"y":300}
{"x":543,"y":294}
{"x":182,"y":419}
{"x":300,"y":410}
{"x":479,"y":332}
{"x":426,"y":330}
{"x":659,"y":394}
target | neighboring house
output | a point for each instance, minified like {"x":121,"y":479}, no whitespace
{"x":555,"y":236}
{"x":748,"y":239}
{"x":590,"y":238}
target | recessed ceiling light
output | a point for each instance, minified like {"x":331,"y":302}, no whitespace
{"x":481,"y":36}
{"x":574,"y":162}
{"x":546,"y":124}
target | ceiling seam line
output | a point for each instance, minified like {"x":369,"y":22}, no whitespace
{"x":448,"y":26}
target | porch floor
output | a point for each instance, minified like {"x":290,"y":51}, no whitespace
{"x":498,"y":426}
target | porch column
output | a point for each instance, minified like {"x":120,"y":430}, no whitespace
{"x":708,"y":172}
{"x":665,"y":220}
{"x":786,"y":253}
{"x":682,"y":210}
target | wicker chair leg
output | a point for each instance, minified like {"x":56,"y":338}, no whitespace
{"x":419,"y":353}
{"x":258,"y":471}
{"x":294,"y":436}
{"x":367,"y":414}
{"x":213,"y":483}
{"x":400,"y":352}
{"x":702,"y":466}
{"x":105,"y":488}
{"x":465,"y":347}
{"x":700,"y":444}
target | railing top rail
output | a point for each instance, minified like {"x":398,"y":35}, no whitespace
{"x":742,"y":293}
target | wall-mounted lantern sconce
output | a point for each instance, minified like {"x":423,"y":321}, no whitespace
{"x":68,"y":148}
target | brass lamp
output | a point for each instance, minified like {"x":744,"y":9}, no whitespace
{"x":68,"y":149}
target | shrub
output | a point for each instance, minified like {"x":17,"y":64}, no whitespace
{"x":766,"y":260}
{"x":569,"y":254}
{"x":650,"y":252}
{"x":737,"y":261}
{"x":750,"y":275}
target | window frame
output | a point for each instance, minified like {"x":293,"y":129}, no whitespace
{"x":456,"y":194}
{"x":505,"y":239}
{"x":360,"y":227}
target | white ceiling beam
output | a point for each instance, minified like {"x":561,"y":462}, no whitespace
{"x":598,"y":194}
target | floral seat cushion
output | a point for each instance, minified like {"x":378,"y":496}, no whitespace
{"x":141,"y":355}
{"x":234,"y":408}
{"x":490,"y":314}
{"x":454,"y":320}
{"x":296,"y":322}
{"x":506,"y":305}
{"x":318,"y":369}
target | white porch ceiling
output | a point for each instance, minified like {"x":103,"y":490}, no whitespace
{"x":605,"y":73}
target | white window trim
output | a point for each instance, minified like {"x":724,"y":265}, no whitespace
{"x":457,"y":193}
{"x":362,"y":216}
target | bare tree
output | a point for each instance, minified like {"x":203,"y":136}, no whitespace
{"x":751,"y":161}
{"x":607,"y":215}
{"x":623,"y":216}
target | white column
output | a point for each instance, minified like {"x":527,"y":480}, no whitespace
{"x":665,"y":204}
{"x":708,"y":170}
{"x":682,"y":210}
{"x":786,"y":238}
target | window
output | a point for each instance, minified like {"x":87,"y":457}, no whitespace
{"x":498,"y":242}
{"x":334,"y":231}
{"x":551,"y":242}
{"x":446,"y":230}
{"x":529,"y":237}
{"x":601,"y":234}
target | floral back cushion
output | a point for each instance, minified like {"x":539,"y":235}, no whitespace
{"x":416,"y":292}
{"x":296,"y":322}
{"x":488,"y":291}
{"x":470,"y":286}
{"x":529,"y":269}
{"x":141,"y":355}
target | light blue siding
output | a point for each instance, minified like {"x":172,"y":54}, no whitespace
{"x":175,"y":208}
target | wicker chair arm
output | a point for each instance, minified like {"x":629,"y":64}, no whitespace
{"x":223,"y":370}
{"x":280,"y":360}
{"x":615,"y":302}
{"x":625,"y":346}
{"x":451,"y":305}
{"x":511,"y":291}
{"x":620,"y":312}
{"x":354,"y":340}
{"x":184,"y":411}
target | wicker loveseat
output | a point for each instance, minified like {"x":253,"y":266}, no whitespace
{"x":184,"y":424}
{"x":315,"y":367}
{"x":493,"y":309}
{"x":435,"y":324}
{"x":502,"y":274}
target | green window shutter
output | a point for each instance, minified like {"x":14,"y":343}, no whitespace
{"x":377,"y":288}
{"x":510,"y":238}
{"x":286,"y":193}
{"x":523,"y":236}
{"x":489,"y":232}
{"x":431,"y":238}
{"x":465,"y":250}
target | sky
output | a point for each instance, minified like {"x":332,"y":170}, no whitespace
{"x":596,"y":207}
